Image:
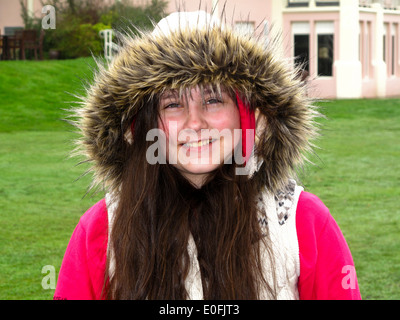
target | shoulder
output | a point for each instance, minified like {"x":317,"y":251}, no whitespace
{"x":91,"y":233}
{"x":311,"y":213}
{"x":309,"y":204}
{"x":314,"y":223}
{"x":317,"y":228}
{"x":94,"y":221}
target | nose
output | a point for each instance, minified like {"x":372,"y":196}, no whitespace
{"x":196,"y":117}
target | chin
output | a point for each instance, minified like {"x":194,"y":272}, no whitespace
{"x":199,"y":169}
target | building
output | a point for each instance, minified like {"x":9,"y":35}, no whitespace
{"x":352,"y":47}
{"x":349,"y":48}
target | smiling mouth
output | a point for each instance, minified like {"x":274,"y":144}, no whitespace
{"x":197,"y":144}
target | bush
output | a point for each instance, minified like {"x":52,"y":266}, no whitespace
{"x":76,"y":39}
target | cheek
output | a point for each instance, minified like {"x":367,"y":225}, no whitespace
{"x":236,"y":119}
{"x":162,"y":126}
{"x":169,"y":145}
{"x":230,"y":119}
{"x":170,"y":129}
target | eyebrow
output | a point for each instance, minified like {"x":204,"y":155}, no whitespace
{"x":214,"y":89}
{"x":206,"y":90}
{"x":169,"y":95}
{"x":209,"y":90}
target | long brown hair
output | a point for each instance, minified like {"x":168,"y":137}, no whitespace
{"x":159,"y":209}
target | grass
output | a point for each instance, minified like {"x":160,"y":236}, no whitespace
{"x":357,"y":176}
{"x":40,"y":201}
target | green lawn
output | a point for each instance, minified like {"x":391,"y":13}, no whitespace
{"x":41,"y":201}
{"x":357,"y":176}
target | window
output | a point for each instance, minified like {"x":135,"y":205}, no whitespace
{"x":325,"y":52}
{"x":298,"y":3}
{"x":326,"y":3}
{"x":393,"y":55}
{"x":301,"y":41}
{"x":394,"y":46}
{"x":245,"y":27}
{"x":384,"y":48}
{"x":385,"y":27}
{"x":301,"y":50}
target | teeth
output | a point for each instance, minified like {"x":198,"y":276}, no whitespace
{"x":198,"y":144}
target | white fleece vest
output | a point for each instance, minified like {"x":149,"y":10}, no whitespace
{"x":278,"y":214}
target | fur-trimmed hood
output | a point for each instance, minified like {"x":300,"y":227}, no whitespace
{"x":185,"y":57}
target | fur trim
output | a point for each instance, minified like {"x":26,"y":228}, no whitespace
{"x":150,"y":63}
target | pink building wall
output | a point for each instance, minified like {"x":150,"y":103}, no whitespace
{"x":10,"y":13}
{"x":367,"y":54}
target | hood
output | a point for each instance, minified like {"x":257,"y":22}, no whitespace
{"x":176,"y":56}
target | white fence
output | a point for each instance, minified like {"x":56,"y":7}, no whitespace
{"x":110,"y":48}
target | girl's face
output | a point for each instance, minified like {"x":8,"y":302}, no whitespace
{"x":200,"y":131}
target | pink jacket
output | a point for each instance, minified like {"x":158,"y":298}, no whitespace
{"x":327,"y":269}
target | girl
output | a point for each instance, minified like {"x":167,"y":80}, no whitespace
{"x":195,"y":133}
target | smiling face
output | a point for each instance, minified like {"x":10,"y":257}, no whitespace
{"x":200,"y":130}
